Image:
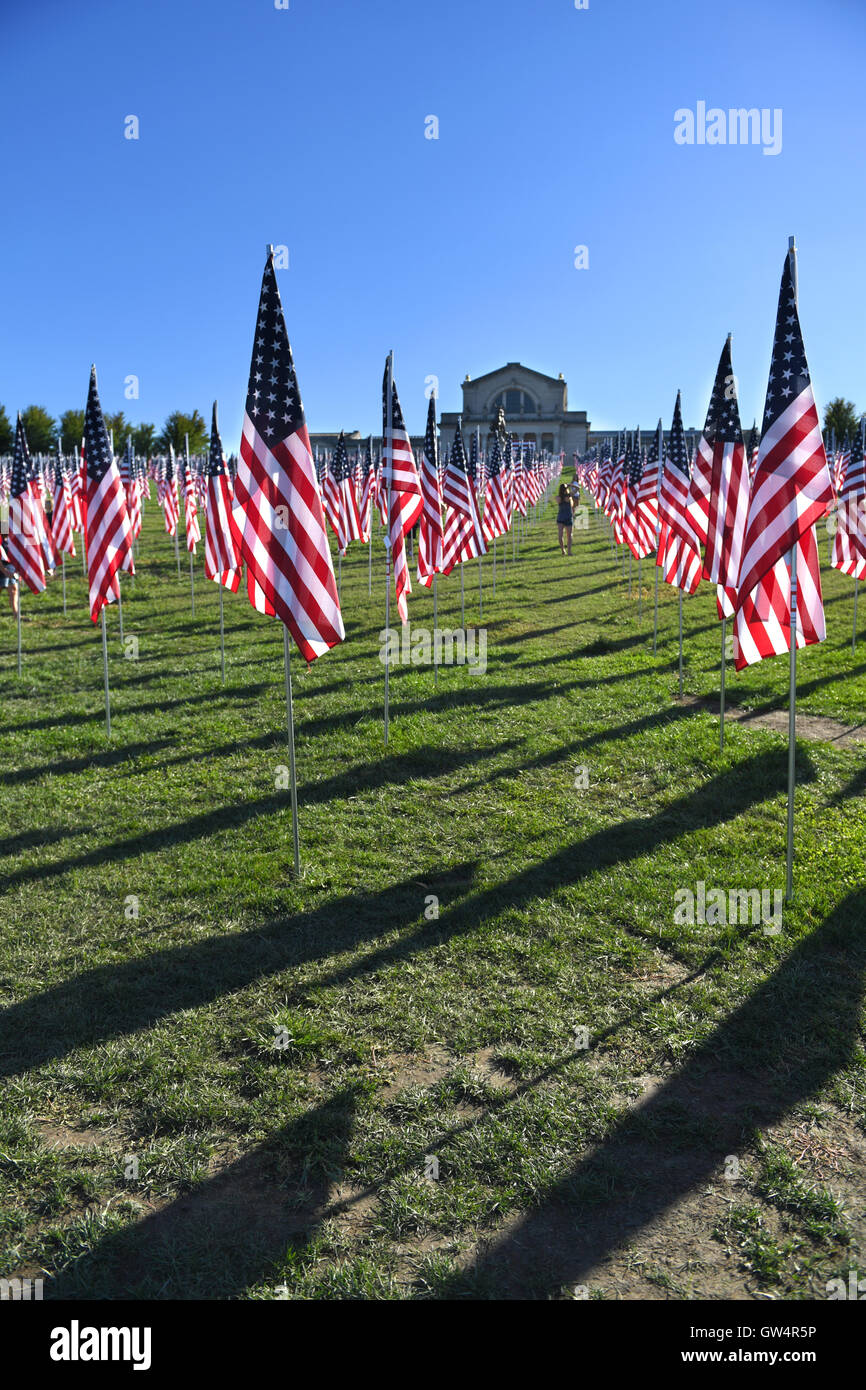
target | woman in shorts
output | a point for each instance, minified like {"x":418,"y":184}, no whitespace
{"x":564,"y":519}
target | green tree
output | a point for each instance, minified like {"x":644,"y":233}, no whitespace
{"x":40,"y":428}
{"x":177,"y":425}
{"x":7,"y":433}
{"x":71,"y":430}
{"x":121,"y":427}
{"x":841,"y":417}
{"x":144,"y":440}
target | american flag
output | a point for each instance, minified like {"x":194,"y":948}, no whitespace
{"x":401,"y":486}
{"x":518,"y":478}
{"x":849,"y":541}
{"x":331,"y":500}
{"x":108,"y":535}
{"x":678,"y":555}
{"x":222,"y":541}
{"x":464,"y":536}
{"x":190,"y":509}
{"x":25,"y":543}
{"x":348,"y":517}
{"x":701,"y":484}
{"x":496,"y":514}
{"x":752,"y":449}
{"x":277,"y":505}
{"x":790,"y":493}
{"x":132,"y":487}
{"x":61,"y":519}
{"x":169,"y":499}
{"x":729,"y":486}
{"x":639,"y":520}
{"x":368,"y":493}
{"x":430,"y":534}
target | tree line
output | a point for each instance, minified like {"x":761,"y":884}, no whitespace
{"x":42,"y":431}
{"x":840,"y":416}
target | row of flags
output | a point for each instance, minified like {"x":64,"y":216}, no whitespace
{"x":741,"y":514}
{"x":267,"y":517}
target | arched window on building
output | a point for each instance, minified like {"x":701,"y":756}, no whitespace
{"x":514,"y":402}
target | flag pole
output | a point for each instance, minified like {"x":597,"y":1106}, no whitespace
{"x":20,"y":592}
{"x":792,"y":693}
{"x":857,"y":581}
{"x":722,"y":692}
{"x":63,"y":576}
{"x":389,"y":433}
{"x":105,"y":671}
{"x":680,"y":592}
{"x":373,"y":510}
{"x":290,"y":722}
{"x":222,"y":636}
{"x":435,"y":629}
{"x":658,"y":534}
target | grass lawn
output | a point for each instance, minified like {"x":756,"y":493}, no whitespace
{"x":219,"y":1082}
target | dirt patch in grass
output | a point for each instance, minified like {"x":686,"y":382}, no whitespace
{"x":809,"y":726}
{"x":398,"y":1070}
{"x":60,"y":1136}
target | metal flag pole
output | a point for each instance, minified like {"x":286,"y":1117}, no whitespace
{"x":20,"y":591}
{"x":290,"y":722}
{"x":63,"y":576}
{"x":658,"y":535}
{"x":857,"y":581}
{"x":680,"y":592}
{"x":494,"y":567}
{"x":373,"y":510}
{"x":389,"y":432}
{"x":105,"y":670}
{"x":462,"y":598}
{"x":120,"y":606}
{"x":478,"y":501}
{"x":435,"y":630}
{"x":792,"y":692}
{"x":186,"y":472}
{"x":222,"y":635}
{"x":722,"y":691}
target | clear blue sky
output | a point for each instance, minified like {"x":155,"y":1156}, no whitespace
{"x":305,"y":127}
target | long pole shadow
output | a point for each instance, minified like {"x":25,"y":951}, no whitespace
{"x":780,"y":1047}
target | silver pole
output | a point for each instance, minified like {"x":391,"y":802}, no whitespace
{"x":105,"y":670}
{"x":63,"y":574}
{"x":462,"y":599}
{"x":222,"y":638}
{"x":435,"y":628}
{"x":20,"y":593}
{"x":120,"y":607}
{"x":389,"y":439}
{"x":373,"y":511}
{"x":680,"y":592}
{"x":661,"y":434}
{"x":722,"y":692}
{"x":290,"y":721}
{"x":792,"y":693}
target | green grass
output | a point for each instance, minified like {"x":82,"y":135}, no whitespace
{"x":281,"y":1057}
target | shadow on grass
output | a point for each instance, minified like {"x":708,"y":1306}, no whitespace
{"x":116,"y":999}
{"x":231,"y":1230}
{"x":780,"y":1047}
{"x":394,"y":770}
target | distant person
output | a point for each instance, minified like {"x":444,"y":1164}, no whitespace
{"x":564,"y":517}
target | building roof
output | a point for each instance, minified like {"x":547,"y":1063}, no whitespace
{"x":543,"y":376}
